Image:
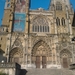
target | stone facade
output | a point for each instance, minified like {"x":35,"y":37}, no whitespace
{"x":46,"y":40}
{"x":10,"y":68}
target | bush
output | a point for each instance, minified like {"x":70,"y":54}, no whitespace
{"x":3,"y":73}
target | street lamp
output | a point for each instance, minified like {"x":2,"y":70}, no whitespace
{"x":2,"y":61}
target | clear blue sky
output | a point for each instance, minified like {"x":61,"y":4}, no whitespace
{"x":34,"y":5}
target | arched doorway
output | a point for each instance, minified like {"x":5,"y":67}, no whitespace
{"x":16,"y":55}
{"x":66,"y":58}
{"x":40,"y":54}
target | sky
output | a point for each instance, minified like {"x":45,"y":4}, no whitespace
{"x":34,"y":5}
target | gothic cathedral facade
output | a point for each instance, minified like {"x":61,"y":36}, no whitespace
{"x":38,"y":38}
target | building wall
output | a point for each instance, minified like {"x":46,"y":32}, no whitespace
{"x":48,"y":41}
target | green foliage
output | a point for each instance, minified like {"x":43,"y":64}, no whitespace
{"x":2,"y":73}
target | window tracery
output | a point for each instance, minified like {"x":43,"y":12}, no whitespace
{"x":58,"y":6}
{"x":40,"y":24}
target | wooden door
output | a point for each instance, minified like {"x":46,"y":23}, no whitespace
{"x":65,"y":63}
{"x":37,"y":61}
{"x":44,"y":62}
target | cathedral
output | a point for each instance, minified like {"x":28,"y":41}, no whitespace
{"x":38,"y":38}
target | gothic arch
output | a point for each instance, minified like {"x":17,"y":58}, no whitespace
{"x":65,"y":58}
{"x":40,"y":45}
{"x":40,"y":54}
{"x":65,"y":51}
{"x":40,"y":23}
{"x":17,"y":43}
{"x":38,"y":40}
{"x":37,"y":16}
{"x":15,"y":55}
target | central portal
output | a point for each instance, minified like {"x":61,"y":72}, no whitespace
{"x":40,"y":61}
{"x":40,"y":54}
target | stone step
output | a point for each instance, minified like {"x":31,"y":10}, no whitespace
{"x":49,"y":72}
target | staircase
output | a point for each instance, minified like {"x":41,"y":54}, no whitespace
{"x":49,"y":72}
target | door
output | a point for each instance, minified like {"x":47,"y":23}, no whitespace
{"x":65,"y":63}
{"x":37,"y":61}
{"x":44,"y":62}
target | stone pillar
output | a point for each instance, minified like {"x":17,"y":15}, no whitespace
{"x":67,"y":21}
{"x":26,"y":48}
{"x":9,"y":46}
{"x":52,"y":49}
{"x":30,"y":49}
{"x":55,"y":24}
{"x":70,"y":27}
{"x":73,"y":53}
{"x":56,"y":40}
{"x":24,"y":55}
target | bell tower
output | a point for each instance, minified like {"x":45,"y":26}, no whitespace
{"x":16,"y":15}
{"x":8,"y":14}
{"x":62,"y":10}
{"x":21,"y":16}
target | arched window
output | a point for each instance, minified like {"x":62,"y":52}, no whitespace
{"x":63,"y":21}
{"x":8,"y":5}
{"x":58,"y":6}
{"x":57,"y":21}
{"x":40,"y":24}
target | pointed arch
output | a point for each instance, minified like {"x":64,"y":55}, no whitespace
{"x":40,"y":46}
{"x":63,"y":21}
{"x":40,"y":52}
{"x":16,"y":54}
{"x":65,"y":58}
{"x":65,"y":51}
{"x":58,"y":21}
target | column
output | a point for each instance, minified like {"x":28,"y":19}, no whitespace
{"x":70,"y":27}
{"x":26,"y":53}
{"x":73,"y":52}
{"x":9,"y":46}
{"x":29,"y":46}
{"x":55,"y":27}
{"x":52,"y":49}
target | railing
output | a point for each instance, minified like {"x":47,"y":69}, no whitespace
{"x":9,"y":65}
